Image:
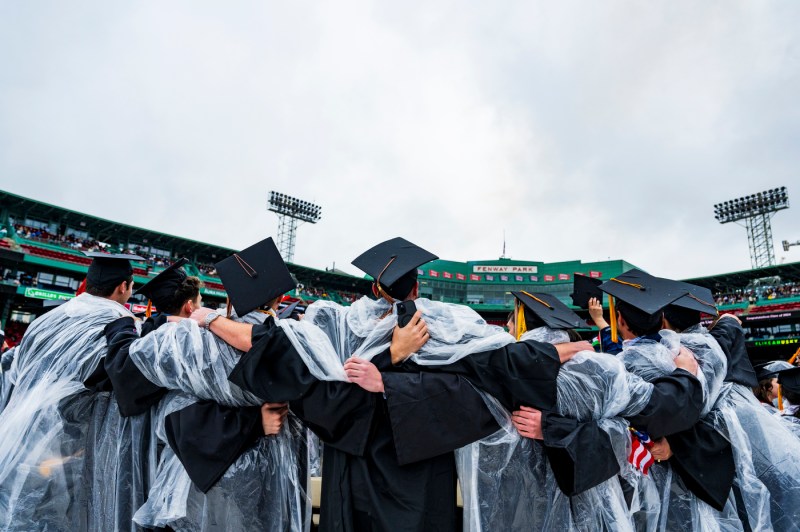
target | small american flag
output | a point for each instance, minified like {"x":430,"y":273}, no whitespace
{"x":640,"y":456}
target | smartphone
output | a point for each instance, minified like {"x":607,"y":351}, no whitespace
{"x":405,"y":311}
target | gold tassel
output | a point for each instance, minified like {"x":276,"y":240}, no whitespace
{"x":613,"y":316}
{"x":794,"y":357}
{"x":520,"y":320}
{"x":149,"y":310}
{"x":780,"y":398}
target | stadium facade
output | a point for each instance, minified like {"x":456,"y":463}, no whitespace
{"x":41,"y":261}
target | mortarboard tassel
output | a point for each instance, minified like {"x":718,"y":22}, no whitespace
{"x":520,"y":320}
{"x":228,"y":308}
{"x":149,"y":310}
{"x":794,"y":356}
{"x":81,"y":288}
{"x":780,"y":398}
{"x":613,"y":318}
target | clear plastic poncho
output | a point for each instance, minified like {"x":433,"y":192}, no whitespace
{"x":680,"y":509}
{"x":329,"y":334}
{"x":265,"y":488}
{"x":773,"y":451}
{"x":506,"y":479}
{"x":68,"y":460}
{"x":7,"y":377}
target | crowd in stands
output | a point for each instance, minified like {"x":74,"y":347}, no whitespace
{"x":68,"y":241}
{"x":758,"y":294}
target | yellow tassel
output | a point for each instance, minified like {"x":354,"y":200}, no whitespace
{"x":780,"y":398}
{"x":613,"y":315}
{"x":794,"y":356}
{"x":520,"y":320}
{"x":149,"y":310}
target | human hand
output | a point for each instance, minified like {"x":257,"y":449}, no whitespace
{"x":200,"y":314}
{"x":596,"y":313}
{"x":409,"y":339}
{"x":528,"y":422}
{"x":272,"y":417}
{"x":661,"y":449}
{"x":568,"y":350}
{"x":364,"y":373}
{"x":685,"y":360}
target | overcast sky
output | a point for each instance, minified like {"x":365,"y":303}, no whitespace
{"x":585,"y":130}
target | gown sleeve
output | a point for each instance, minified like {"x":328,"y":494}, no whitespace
{"x":580,"y":453}
{"x":704,"y":460}
{"x":521,"y":373}
{"x":606,"y":344}
{"x":208,"y":437}
{"x":675,"y":405}
{"x":135,"y":394}
{"x":434,"y":413}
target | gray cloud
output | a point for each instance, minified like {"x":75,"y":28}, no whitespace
{"x":584,"y":130}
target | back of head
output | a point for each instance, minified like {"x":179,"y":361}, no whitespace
{"x":105,"y":289}
{"x":187,"y":290}
{"x":402,"y":287}
{"x":639,"y":322}
{"x":681,"y":318}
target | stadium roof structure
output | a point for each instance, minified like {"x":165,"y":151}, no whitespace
{"x":111,"y":232}
{"x":107,"y":230}
{"x":736,"y":280}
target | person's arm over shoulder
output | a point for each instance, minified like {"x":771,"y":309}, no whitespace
{"x":580,"y":453}
{"x":674,"y":406}
{"x":272,"y":368}
{"x":134,"y":393}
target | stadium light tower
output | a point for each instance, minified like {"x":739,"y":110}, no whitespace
{"x":787,"y":244}
{"x":756,"y":211}
{"x":291,"y":211}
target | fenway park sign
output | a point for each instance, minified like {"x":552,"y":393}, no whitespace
{"x":504,"y":269}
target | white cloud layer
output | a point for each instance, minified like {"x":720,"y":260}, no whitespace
{"x":584,"y":130}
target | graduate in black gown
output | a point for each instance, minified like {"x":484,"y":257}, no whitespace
{"x":701,"y":457}
{"x":62,"y":438}
{"x":388,"y":460}
{"x":215,"y":432}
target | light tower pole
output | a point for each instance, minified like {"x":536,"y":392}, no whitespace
{"x":756,"y":210}
{"x":291,"y":211}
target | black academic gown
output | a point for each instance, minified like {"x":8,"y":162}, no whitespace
{"x":388,"y":460}
{"x":581,"y":455}
{"x":207,"y":437}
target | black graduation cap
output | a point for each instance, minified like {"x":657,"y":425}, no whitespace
{"x":584,"y":288}
{"x":550,"y":310}
{"x":389,"y":261}
{"x":790,"y":380}
{"x":161,"y":288}
{"x":286,"y":312}
{"x":643,"y":291}
{"x":698,"y":298}
{"x":255,"y":276}
{"x":109,"y":268}
{"x":771,"y":369}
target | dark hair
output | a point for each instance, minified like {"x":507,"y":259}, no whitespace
{"x":573,"y":335}
{"x":681,"y":318}
{"x":105,"y":290}
{"x":762,"y":390}
{"x":403,"y":286}
{"x":793,"y":398}
{"x":639,"y":322}
{"x":188,"y":290}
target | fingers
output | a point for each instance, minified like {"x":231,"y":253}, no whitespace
{"x":529,"y":409}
